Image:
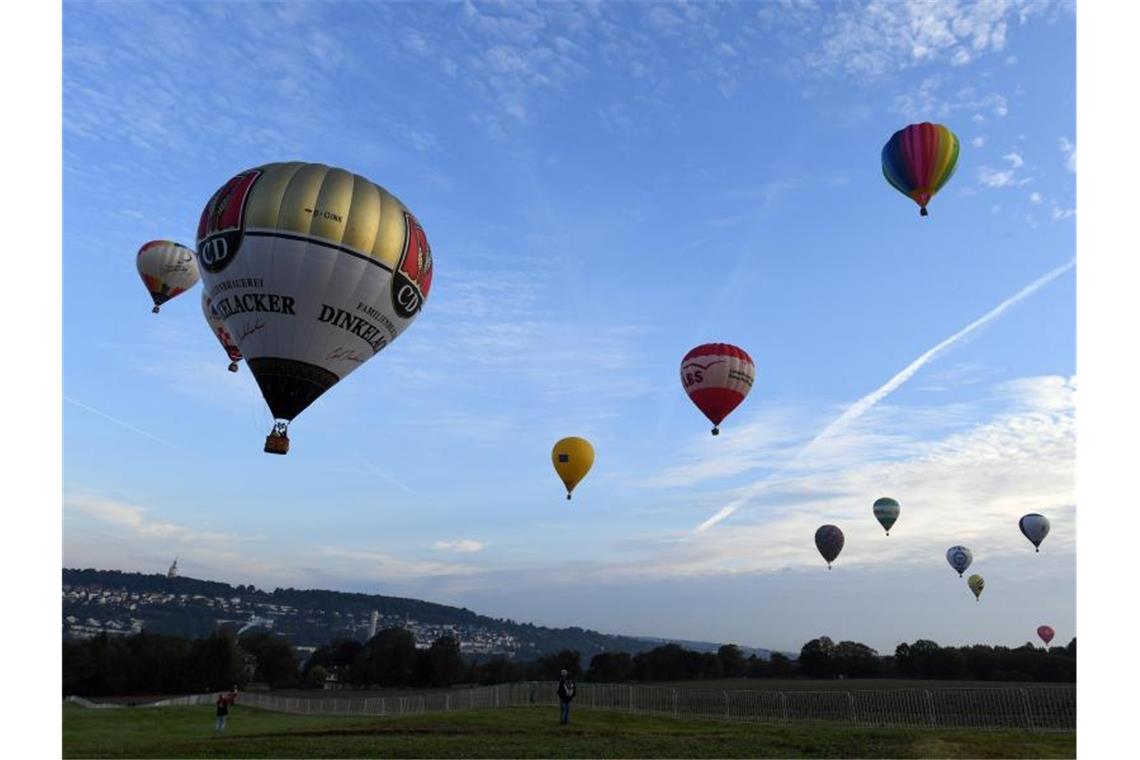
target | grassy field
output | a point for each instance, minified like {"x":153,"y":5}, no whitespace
{"x":514,"y":732}
{"x":732,"y":684}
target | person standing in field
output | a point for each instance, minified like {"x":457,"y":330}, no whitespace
{"x":223,"y":709}
{"x":565,"y":695}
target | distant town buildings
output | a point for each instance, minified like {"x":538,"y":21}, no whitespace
{"x":91,"y":610}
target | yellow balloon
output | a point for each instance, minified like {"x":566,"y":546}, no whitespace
{"x":573,"y":457}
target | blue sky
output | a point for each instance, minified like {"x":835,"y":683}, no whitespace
{"x":604,"y":186}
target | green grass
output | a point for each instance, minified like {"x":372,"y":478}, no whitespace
{"x":514,"y":732}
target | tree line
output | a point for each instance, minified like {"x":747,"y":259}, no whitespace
{"x":925,"y":659}
{"x":148,"y":663}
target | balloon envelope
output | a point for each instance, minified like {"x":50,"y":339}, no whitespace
{"x":1034,"y":527}
{"x":976,"y":584}
{"x":573,"y":457}
{"x":919,"y":159}
{"x":886,"y":511}
{"x":959,"y":558}
{"x":314,"y":270}
{"x":167,"y":269}
{"x":829,"y":541}
{"x":1046,"y":633}
{"x":717,"y":377}
{"x":218,"y":327}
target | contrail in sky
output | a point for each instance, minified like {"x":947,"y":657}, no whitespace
{"x":119,"y":422}
{"x":377,"y":471}
{"x":863,"y":405}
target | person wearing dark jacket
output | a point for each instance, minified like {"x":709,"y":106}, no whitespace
{"x":223,"y":710}
{"x":565,"y":695}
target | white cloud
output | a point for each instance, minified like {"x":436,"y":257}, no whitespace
{"x":991,"y":177}
{"x":978,"y":142}
{"x":881,"y":36}
{"x":1070,"y":151}
{"x":969,"y":487}
{"x":1035,"y":198}
{"x":994,"y":178}
{"x":346,"y":562}
{"x":137,"y":521}
{"x":856,"y":410}
{"x":928,"y":102}
{"x":1062,"y":213}
{"x":462,"y":546}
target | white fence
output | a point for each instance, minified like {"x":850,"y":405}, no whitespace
{"x":1031,"y":708}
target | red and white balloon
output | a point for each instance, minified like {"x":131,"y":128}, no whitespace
{"x":717,"y":377}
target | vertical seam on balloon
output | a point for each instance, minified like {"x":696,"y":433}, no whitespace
{"x":329,"y":272}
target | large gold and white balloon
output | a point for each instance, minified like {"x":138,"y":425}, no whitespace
{"x":313,"y":270}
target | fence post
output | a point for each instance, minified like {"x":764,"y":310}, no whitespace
{"x":447,"y":701}
{"x":1028,"y":710}
{"x":929,"y":707}
{"x":674,"y":703}
{"x":630,"y":688}
{"x":851,"y":703}
{"x":726,"y":704}
{"x":784,"y":704}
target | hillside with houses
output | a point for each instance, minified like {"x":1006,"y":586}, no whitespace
{"x":120,"y":603}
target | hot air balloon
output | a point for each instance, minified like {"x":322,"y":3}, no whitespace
{"x":829,"y":541}
{"x":976,"y":583}
{"x":1046,"y":634}
{"x":573,"y":457}
{"x":219,"y":329}
{"x":919,"y":159}
{"x":886,"y":511}
{"x":167,"y":269}
{"x":314,"y":270}
{"x":959,"y":558}
{"x":1035,"y":527}
{"x":717,"y":377}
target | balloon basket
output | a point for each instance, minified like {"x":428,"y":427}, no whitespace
{"x":276,"y":443}
{"x":154,"y":310}
{"x":716,"y":431}
{"x":233,"y":367}
{"x":923,"y":212}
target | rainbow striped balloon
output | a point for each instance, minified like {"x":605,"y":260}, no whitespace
{"x":919,"y":159}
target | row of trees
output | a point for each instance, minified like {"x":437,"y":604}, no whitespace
{"x":157,"y":664}
{"x":151,"y":664}
{"x":925,"y":659}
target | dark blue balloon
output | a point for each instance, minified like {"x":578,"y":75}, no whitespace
{"x":829,"y":541}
